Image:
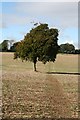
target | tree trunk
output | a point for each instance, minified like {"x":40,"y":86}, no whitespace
{"x":34,"y":66}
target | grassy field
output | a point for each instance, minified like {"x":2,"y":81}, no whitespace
{"x":63,"y":63}
{"x":28,"y":94}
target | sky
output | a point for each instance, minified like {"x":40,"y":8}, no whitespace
{"x":18,"y":17}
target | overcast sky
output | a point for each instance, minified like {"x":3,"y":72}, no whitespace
{"x":17,"y":18}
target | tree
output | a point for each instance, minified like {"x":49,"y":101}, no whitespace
{"x":4,"y":45}
{"x":39,"y":44}
{"x":67,"y":48}
{"x":0,"y":48}
{"x":13,"y":47}
{"x":77,"y":51}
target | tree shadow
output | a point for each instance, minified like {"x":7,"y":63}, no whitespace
{"x":69,"y":73}
{"x":41,"y":119}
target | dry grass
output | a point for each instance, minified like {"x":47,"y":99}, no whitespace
{"x":63,"y":63}
{"x":27,"y":94}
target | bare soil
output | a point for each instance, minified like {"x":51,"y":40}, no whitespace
{"x":37,"y":95}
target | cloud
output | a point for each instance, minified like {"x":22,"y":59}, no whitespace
{"x":0,"y":20}
{"x":40,"y":0}
{"x":23,"y":33}
{"x":11,"y":38}
{"x":68,"y":39}
{"x":76,"y":44}
{"x":61,"y":14}
{"x":4,"y":25}
{"x":14,"y":19}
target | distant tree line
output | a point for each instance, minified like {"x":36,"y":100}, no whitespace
{"x":68,"y":49}
{"x":6,"y":46}
{"x":10,"y":46}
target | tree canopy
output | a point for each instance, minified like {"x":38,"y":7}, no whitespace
{"x":39,"y":44}
{"x":67,"y":48}
{"x":4,"y":46}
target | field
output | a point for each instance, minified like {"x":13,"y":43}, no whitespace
{"x":28,"y":94}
